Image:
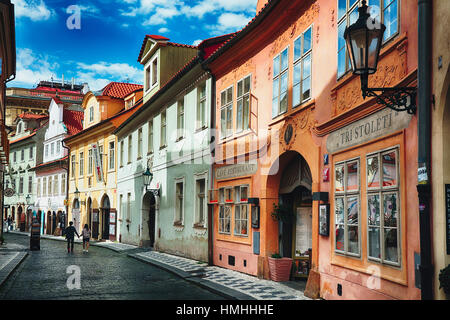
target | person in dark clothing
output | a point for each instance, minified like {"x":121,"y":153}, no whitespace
{"x":70,"y":235}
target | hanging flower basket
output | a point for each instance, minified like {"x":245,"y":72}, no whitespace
{"x":280,"y":268}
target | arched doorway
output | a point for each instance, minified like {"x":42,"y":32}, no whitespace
{"x":291,"y":176}
{"x":148,"y":220}
{"x":105,"y":207}
{"x":76,"y":214}
{"x":49,"y":223}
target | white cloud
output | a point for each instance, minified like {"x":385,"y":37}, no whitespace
{"x":33,"y":9}
{"x":32,"y":68}
{"x":229,"y":22}
{"x":99,"y":74}
{"x":163,"y":30}
{"x":197,"y":42}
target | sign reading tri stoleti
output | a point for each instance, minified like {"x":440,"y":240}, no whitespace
{"x":226,"y":309}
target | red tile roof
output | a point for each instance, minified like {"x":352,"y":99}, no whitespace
{"x":73,"y":121}
{"x":23,"y":138}
{"x":32,"y":116}
{"x":120,"y":89}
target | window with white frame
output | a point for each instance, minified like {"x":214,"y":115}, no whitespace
{"x":180,"y":119}
{"x":201,"y":106}
{"x":56,"y":186}
{"x":150,"y":137}
{"x":154,"y":71}
{"x":301,"y":90}
{"x":31,"y":153}
{"x":21,"y":185}
{"x":200,"y":192}
{"x":130,"y":148}
{"x":241,"y":208}
{"x":179,"y":202}
{"x":243,"y":104}
{"x":383,"y":206}
{"x":30,"y":184}
{"x":121,"y":207}
{"x":44,"y":186}
{"x":163,"y":140}
{"x":129,"y":207}
{"x":52,"y":148}
{"x":15,"y":155}
{"x":63,"y":184}
{"x":90,"y":162}
{"x":112,"y":155}
{"x":50,"y":185}
{"x":81,"y":164}
{"x":139,"y":146}
{"x":347,"y":207}
{"x":280,"y":83}
{"x":386,"y":11}
{"x":73,"y":161}
{"x":91,"y":114}
{"x":226,"y":113}
{"x":224,"y":212}
{"x":58,"y":146}
{"x":121,"y":152}
{"x":46,"y":152}
{"x":100,"y":152}
{"x":147,"y":78}
{"x":22,"y":155}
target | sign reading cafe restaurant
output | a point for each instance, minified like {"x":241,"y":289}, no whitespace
{"x":236,"y":170}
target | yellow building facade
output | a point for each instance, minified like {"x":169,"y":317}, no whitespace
{"x":93,"y":159}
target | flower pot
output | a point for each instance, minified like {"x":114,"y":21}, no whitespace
{"x":280,"y":269}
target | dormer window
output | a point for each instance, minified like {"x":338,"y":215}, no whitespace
{"x":151,"y":74}
{"x":154,"y":71}
{"x":91,"y":114}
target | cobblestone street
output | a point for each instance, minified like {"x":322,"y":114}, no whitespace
{"x":105,"y":274}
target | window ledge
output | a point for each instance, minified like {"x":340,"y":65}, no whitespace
{"x":200,"y":226}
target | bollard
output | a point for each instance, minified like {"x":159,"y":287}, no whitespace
{"x":35,"y":237}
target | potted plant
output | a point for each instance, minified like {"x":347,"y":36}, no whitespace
{"x":444,"y":279}
{"x":280,"y":268}
{"x":282,"y":213}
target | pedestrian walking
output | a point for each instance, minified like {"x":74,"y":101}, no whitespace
{"x":86,"y":233}
{"x":9,"y":223}
{"x":70,"y":235}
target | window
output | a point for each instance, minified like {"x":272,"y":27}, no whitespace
{"x":21,"y":185}
{"x":44,"y":187}
{"x":90,"y":162}
{"x":154,"y":71}
{"x":179,"y":202}
{"x":120,"y":207}
{"x":147,"y":78}
{"x":348,"y":14}
{"x":56,"y":185}
{"x":347,"y":207}
{"x":301,"y":90}
{"x":121,"y":152}
{"x":91,"y":114}
{"x":163,"y":129}
{"x":63,"y":184}
{"x":201,"y":106}
{"x":100,"y":152}
{"x":241,"y":208}
{"x":224,"y":214}
{"x":31,"y":153}
{"x":201,"y":203}
{"x":81,"y":164}
{"x":139,"y":146}
{"x":150,"y":136}
{"x":383,"y":207}
{"x":30,"y":184}
{"x":58,"y":147}
{"x":112,"y":155}
{"x":22,"y":155}
{"x":38,"y":191}
{"x":50,"y":190}
{"x":243,"y":104}
{"x":73,"y":165}
{"x":180,"y":119}
{"x":226,"y":112}
{"x":280,"y":83}
{"x":15,"y":156}
{"x":52,"y":148}
{"x":129,"y":207}
{"x":130,"y":146}
{"x":46,"y":152}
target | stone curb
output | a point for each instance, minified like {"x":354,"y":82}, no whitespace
{"x":204,"y":283}
{"x":7,"y":271}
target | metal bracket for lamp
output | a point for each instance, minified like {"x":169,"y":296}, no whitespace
{"x":398,"y":98}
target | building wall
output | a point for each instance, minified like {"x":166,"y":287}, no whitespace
{"x":335,"y":104}
{"x":440,"y":144}
{"x":179,"y":159}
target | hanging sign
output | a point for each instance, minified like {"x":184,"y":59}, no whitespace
{"x":9,"y":192}
{"x":97,"y":162}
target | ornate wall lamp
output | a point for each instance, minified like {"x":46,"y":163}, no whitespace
{"x":364,"y":39}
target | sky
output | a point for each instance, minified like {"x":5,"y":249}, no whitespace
{"x":99,"y":41}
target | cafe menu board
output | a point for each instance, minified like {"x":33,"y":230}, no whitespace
{"x":447,"y":216}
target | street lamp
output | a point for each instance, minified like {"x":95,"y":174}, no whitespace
{"x":77,"y":193}
{"x":28,"y":198}
{"x":148,"y":177}
{"x":364,"y":39}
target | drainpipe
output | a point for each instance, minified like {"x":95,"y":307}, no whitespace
{"x":212,"y":138}
{"x":424,"y":143}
